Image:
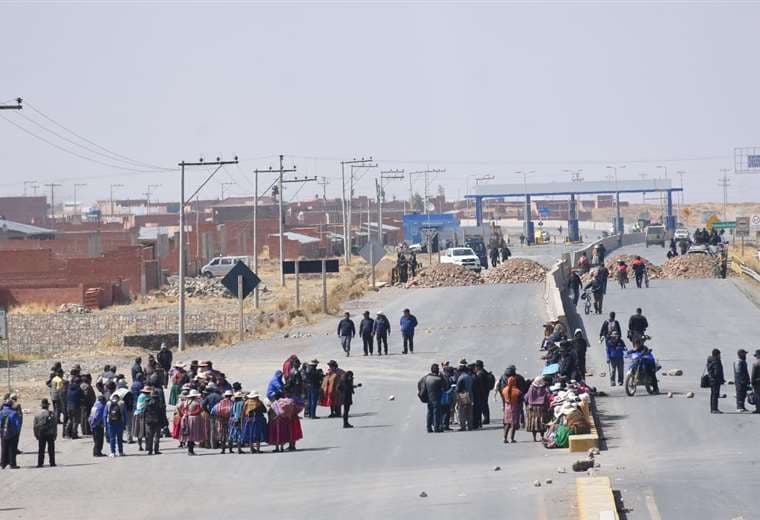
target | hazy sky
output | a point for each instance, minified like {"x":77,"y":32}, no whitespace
{"x":478,"y":89}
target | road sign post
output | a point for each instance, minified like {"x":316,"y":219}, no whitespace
{"x":372,"y":252}
{"x":324,"y":286}
{"x":240,"y":306}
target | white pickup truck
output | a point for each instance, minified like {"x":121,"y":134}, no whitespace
{"x":463,"y":256}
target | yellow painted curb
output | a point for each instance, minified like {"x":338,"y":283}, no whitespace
{"x":595,"y":499}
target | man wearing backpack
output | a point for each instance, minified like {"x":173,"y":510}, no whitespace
{"x":155,"y":417}
{"x":115,"y":419}
{"x":485,"y":381}
{"x":45,"y":431}
{"x":429,"y":390}
{"x":10,"y":430}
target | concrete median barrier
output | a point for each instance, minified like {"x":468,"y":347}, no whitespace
{"x":595,"y":499}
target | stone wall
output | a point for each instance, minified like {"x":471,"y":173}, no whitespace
{"x":49,"y":333}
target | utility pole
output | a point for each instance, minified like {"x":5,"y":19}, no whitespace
{"x":575,"y":175}
{"x":290,"y":181}
{"x":28,"y":183}
{"x":147,"y":197}
{"x":223,"y":185}
{"x":724,"y":182}
{"x":76,"y":205}
{"x":112,"y":187}
{"x":384,"y":176}
{"x":52,"y":187}
{"x":181,"y":311}
{"x":681,"y":174}
{"x":426,"y":172}
{"x":324,"y":182}
{"x":35,"y":186}
{"x":346,"y":212}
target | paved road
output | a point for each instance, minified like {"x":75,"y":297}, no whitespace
{"x":669,"y":457}
{"x":376,"y":470}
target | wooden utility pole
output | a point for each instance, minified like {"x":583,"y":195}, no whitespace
{"x":52,"y":187}
{"x":384,"y":175}
{"x":347,"y":209}
{"x":182,"y":201}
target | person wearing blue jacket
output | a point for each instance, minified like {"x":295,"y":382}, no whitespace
{"x":10,"y":431}
{"x":382,"y":329}
{"x":407,"y":325}
{"x":615,"y":354}
{"x":97,"y":421}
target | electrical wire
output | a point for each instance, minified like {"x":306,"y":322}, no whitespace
{"x":116,"y":156}
{"x":76,"y":154}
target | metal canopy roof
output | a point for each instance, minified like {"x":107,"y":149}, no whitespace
{"x":570,"y":188}
{"x":9,"y":226}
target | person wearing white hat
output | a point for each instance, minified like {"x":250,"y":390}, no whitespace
{"x":254,"y":422}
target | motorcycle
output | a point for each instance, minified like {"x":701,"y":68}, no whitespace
{"x":642,"y":371}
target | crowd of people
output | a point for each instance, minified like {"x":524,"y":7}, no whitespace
{"x":376,"y":330}
{"x":204,"y":409}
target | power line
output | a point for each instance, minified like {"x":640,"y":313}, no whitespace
{"x":124,"y":158}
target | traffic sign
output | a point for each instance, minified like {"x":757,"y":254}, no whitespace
{"x":724,"y":224}
{"x":250,"y":280}
{"x":754,"y":222}
{"x":742,"y":226}
{"x":544,"y":212}
{"x":372,"y":252}
{"x":310,"y":266}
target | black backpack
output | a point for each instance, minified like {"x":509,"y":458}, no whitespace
{"x":5,"y":428}
{"x":114,"y":413}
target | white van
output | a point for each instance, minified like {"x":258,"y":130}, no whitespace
{"x":221,"y":265}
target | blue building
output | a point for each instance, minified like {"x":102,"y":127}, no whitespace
{"x":446,"y":224}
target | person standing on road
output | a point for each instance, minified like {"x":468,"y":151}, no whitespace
{"x":346,"y":331}
{"x":330,"y":394}
{"x":407,"y":325}
{"x":537,"y":399}
{"x":382,"y":329}
{"x":346,"y":388}
{"x":97,"y":421}
{"x":639,"y":270}
{"x":464,"y":396}
{"x":164,"y":358}
{"x":432,"y":387}
{"x":155,"y":417}
{"x":74,"y":400}
{"x":615,"y":356}
{"x":715,"y":374}
{"x":366,"y":331}
{"x":45,"y":431}
{"x":136,"y":368}
{"x":115,"y":418}
{"x":512,"y":409}
{"x":193,"y":430}
{"x":10,"y":432}
{"x":741,"y":379}
{"x":580,"y":345}
{"x":57,"y":395}
{"x":755,"y":380}
{"x":486,"y":381}
{"x":597,"y":292}
{"x":312,"y":377}
{"x":574,"y":285}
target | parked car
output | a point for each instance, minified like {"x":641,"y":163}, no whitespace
{"x":463,"y":256}
{"x":221,"y":265}
{"x":681,"y":234}
{"x":655,"y":235}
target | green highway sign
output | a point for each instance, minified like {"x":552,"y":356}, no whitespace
{"x":728,"y":224}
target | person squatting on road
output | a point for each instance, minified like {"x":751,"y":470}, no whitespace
{"x":407,"y":324}
{"x":367,"y":331}
{"x":346,"y":331}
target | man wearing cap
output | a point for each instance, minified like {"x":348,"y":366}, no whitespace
{"x":312,"y":377}
{"x":382,"y":329}
{"x":755,"y":380}
{"x":366,"y":331}
{"x":483,"y":383}
{"x":464,"y":396}
{"x":407,"y":325}
{"x":433,"y":385}
{"x":741,"y":379}
{"x":615,"y":357}
{"x":346,"y":331}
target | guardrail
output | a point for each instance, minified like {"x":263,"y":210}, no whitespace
{"x":742,"y":268}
